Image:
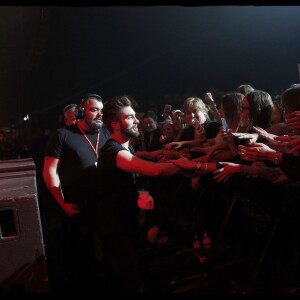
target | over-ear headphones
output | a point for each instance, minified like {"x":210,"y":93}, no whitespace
{"x":85,"y":98}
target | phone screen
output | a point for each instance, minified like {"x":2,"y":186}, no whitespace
{"x":224,"y":124}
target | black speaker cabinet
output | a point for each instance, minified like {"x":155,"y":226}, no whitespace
{"x":22,"y":253}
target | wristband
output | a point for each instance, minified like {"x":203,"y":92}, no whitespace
{"x":198,"y":165}
{"x":276,"y":158}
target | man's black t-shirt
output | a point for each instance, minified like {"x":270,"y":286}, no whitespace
{"x":117,"y":211}
{"x":77,"y":169}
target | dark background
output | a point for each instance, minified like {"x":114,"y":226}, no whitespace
{"x":50,"y":56}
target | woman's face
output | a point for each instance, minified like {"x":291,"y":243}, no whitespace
{"x":149,"y":124}
{"x":168,"y":131}
{"x":176,"y":119}
{"x":244,"y":113}
{"x":276,"y":115}
{"x":194,"y":113}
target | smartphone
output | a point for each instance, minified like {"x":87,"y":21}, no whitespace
{"x":224,"y":123}
{"x":243,"y":142}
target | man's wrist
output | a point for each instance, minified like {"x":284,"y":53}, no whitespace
{"x":198,"y":165}
{"x":276,"y":157}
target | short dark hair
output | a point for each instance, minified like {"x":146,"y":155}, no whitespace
{"x":90,"y":95}
{"x":150,"y":114}
{"x":111,"y":110}
{"x":244,"y":89}
{"x":85,"y":98}
{"x":291,"y":98}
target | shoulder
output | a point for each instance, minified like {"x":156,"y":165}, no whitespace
{"x":70,"y":133}
{"x":111,"y":147}
{"x":67,"y":130}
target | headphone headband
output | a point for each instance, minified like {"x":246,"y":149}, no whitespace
{"x":90,"y":95}
{"x":85,"y":98}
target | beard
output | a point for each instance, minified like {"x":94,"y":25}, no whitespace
{"x":129,"y":133}
{"x":94,"y":125}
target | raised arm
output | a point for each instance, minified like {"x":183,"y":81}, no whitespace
{"x":211,"y":103}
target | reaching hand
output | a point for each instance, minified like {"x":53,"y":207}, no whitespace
{"x":185,"y":152}
{"x":252,"y":137}
{"x":292,"y":142}
{"x":224,"y":173}
{"x":70,"y":209}
{"x":293,"y":120}
{"x":222,"y":137}
{"x":209,"y":99}
{"x":254,"y":152}
{"x":195,"y":183}
{"x":266,"y":135}
{"x":183,"y":162}
{"x":173,"y":145}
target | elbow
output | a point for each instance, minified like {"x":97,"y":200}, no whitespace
{"x":45,"y":176}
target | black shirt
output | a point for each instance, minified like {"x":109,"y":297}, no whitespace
{"x":117,"y":211}
{"x":212,"y":128}
{"x":77,"y":169}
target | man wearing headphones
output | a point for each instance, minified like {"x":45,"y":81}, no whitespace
{"x":69,"y":173}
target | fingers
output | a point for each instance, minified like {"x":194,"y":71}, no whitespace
{"x":218,"y":173}
{"x":282,"y":138}
{"x":295,"y":150}
{"x":224,"y":163}
{"x":259,"y":128}
{"x":220,"y":177}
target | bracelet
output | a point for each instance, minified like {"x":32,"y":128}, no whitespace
{"x":198,"y":165}
{"x":276,"y":158}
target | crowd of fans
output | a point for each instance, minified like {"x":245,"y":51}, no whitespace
{"x":242,"y":144}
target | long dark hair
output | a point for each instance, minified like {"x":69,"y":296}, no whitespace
{"x":260,"y":109}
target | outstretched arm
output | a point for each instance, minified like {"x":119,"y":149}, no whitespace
{"x":130,"y":163}
{"x":291,"y":142}
{"x":275,"y":175}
